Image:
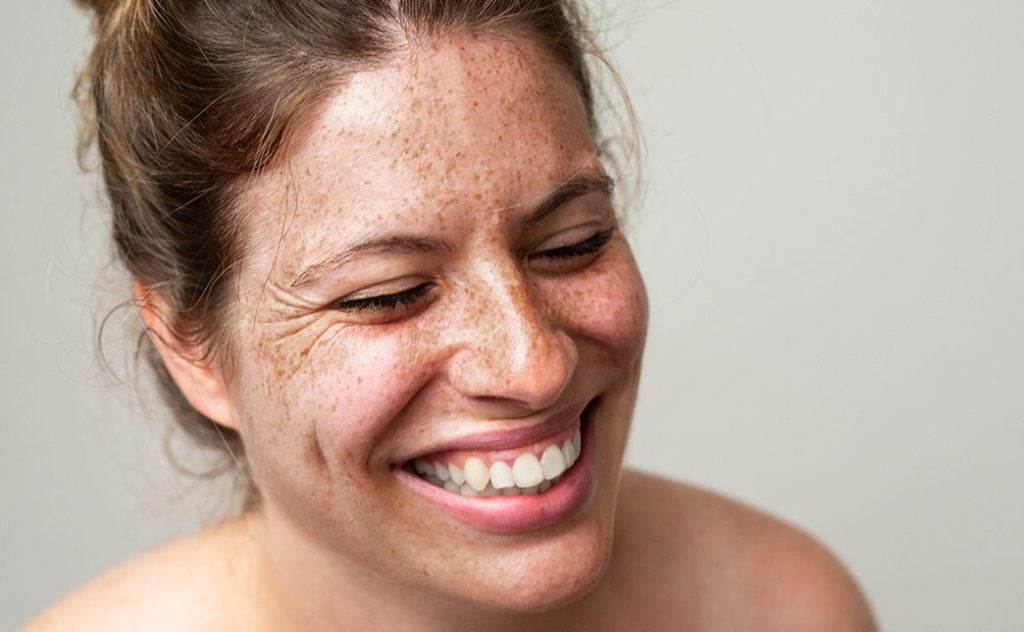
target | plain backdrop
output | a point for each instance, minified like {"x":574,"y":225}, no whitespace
{"x":833,"y":241}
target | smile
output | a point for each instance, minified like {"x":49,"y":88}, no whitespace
{"x":534,"y":471}
{"x":512,"y":483}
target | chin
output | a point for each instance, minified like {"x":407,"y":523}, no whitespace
{"x":552,"y":573}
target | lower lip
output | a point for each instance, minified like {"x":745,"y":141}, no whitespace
{"x":516,"y":514}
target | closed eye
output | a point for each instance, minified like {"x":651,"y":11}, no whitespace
{"x":393,"y":306}
{"x":393,"y":302}
{"x":585,"y":247}
{"x":572,"y":257}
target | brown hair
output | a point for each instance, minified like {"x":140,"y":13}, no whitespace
{"x":185,"y":98}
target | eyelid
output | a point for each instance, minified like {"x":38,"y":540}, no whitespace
{"x":568,"y":237}
{"x":392,"y":305}
{"x":384,"y":288}
{"x":571,"y":257}
{"x":575,"y":236}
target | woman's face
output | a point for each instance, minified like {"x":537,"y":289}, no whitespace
{"x":433,"y":272}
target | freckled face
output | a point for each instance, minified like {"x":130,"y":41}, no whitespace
{"x":436,"y":256}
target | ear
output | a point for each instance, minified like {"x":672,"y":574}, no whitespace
{"x":199,"y":379}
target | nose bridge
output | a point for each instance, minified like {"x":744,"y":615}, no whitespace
{"x":512,"y":348}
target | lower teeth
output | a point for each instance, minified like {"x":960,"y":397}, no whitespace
{"x":467,"y":490}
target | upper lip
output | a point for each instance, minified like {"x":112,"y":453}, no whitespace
{"x":508,"y":437}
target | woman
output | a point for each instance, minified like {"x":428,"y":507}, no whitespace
{"x":375,"y":252}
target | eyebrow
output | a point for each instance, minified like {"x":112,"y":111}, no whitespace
{"x":580,"y":184}
{"x":392,"y":244}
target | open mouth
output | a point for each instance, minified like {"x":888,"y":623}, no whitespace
{"x":529,"y":469}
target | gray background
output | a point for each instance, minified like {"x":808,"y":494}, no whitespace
{"x":833,"y":240}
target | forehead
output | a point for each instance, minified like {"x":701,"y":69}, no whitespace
{"x":461,"y":124}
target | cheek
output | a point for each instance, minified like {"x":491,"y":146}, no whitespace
{"x":364,"y":382}
{"x":313,"y":405}
{"x":606,"y":306}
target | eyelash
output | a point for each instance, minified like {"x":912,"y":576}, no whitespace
{"x":407,"y":298}
{"x":583,"y":248}
{"x":387,"y":302}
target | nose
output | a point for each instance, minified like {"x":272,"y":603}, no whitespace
{"x":510,"y":350}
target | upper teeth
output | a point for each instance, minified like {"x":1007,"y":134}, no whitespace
{"x":527,"y":474}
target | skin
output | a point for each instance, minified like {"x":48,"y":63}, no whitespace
{"x":329,"y":398}
{"x":453,"y":143}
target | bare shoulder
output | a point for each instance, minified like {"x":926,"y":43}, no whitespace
{"x":723,"y":565}
{"x":174,"y":587}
